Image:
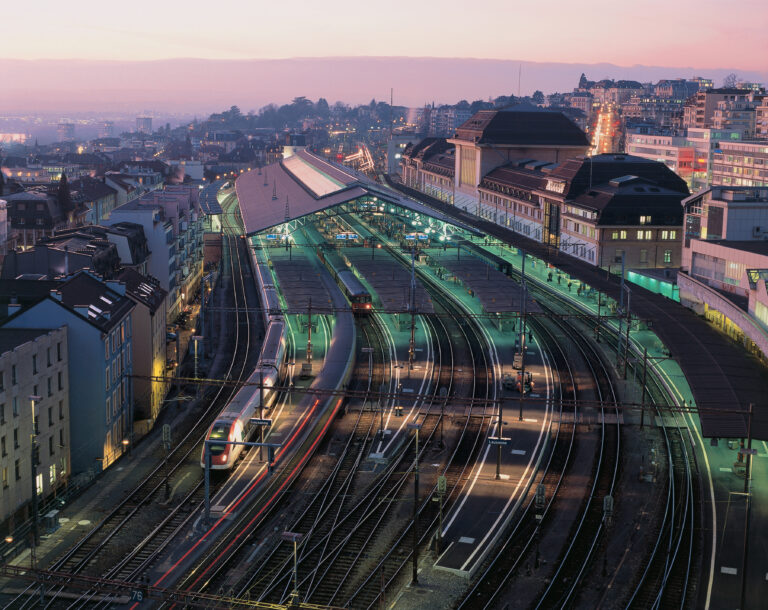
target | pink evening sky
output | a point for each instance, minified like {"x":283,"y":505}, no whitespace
{"x":700,"y":33}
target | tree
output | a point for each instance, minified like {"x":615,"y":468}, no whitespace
{"x":322,"y":108}
{"x":64,"y":197}
{"x":538,"y":97}
{"x":730,"y":81}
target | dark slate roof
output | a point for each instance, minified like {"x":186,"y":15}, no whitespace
{"x":580,"y":172}
{"x":521,"y":128}
{"x":85,"y":190}
{"x":142,"y":288}
{"x":11,"y":338}
{"x":623,"y":201}
{"x":106,"y":307}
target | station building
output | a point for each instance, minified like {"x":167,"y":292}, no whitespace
{"x":527,"y":172}
{"x":33,"y":363}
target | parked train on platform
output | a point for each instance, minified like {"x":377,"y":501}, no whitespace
{"x":358,"y":296}
{"x":233,"y":423}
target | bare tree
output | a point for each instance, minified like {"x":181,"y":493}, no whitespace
{"x":730,"y":81}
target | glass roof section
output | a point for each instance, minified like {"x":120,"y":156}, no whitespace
{"x":319,"y":183}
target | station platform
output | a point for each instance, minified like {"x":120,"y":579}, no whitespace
{"x":721,"y":375}
{"x":389,"y":279}
{"x":299,"y":280}
{"x":496,"y":292}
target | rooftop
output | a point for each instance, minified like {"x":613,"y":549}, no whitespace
{"x":288,"y":190}
{"x":145,"y":290}
{"x":11,"y":338}
{"x":521,"y":127}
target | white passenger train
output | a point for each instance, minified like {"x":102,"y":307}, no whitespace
{"x":233,"y":423}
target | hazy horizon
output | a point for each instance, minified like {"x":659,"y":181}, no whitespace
{"x":198,"y":85}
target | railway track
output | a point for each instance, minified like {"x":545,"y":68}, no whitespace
{"x":324,"y":502}
{"x":667,"y":579}
{"x":524,"y":533}
{"x":149,"y":525}
{"x":390,"y":572}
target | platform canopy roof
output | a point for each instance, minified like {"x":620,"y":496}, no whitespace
{"x":304,"y":184}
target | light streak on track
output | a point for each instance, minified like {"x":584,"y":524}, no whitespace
{"x":258,"y":480}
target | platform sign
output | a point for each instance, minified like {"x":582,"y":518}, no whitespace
{"x":442,"y":484}
{"x":256,"y":421}
{"x":423,"y":237}
{"x":495,"y":440}
{"x":410,"y":236}
{"x":273,"y":236}
{"x":341,"y":236}
{"x":352,"y":236}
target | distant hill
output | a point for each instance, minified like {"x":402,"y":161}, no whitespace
{"x":199,"y":85}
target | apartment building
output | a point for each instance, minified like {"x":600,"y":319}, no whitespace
{"x":33,"y":378}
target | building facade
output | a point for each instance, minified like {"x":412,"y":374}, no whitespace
{"x":33,"y":363}
{"x":149,"y":342}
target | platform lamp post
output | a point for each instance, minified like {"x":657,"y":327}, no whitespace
{"x":196,"y":339}
{"x":523,"y":299}
{"x":748,"y":506}
{"x":291,"y":366}
{"x":295,"y":538}
{"x":415,"y":576}
{"x":369,"y":351}
{"x":33,"y":454}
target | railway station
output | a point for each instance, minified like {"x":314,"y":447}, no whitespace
{"x":487,"y":392}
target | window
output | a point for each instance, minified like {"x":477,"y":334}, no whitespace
{"x":5,"y":477}
{"x":2,"y":412}
{"x":673,"y":235}
{"x":61,"y":437}
{"x":643,"y":255}
{"x":618,"y":256}
{"x":15,"y":406}
{"x":2,"y":380}
{"x":109,"y":408}
{"x":58,"y":351}
{"x":644,"y":235}
{"x":3,"y":448}
{"x":106,"y":379}
{"x":665,"y":235}
{"x":50,"y":387}
{"x":622,"y":235}
{"x":667,"y":256}
{"x":39,"y":484}
{"x":48,"y":356}
{"x":35,"y":390}
{"x":52,"y":474}
{"x":61,"y":409}
{"x":63,"y":467}
{"x":50,"y":416}
{"x":106,"y":348}
{"x":645,"y":220}
{"x":34,"y":364}
{"x":50,"y":445}
{"x":14,"y":380}
{"x":17,"y":468}
{"x":61,"y":380}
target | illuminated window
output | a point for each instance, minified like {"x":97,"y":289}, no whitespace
{"x":644,"y":220}
{"x":667,"y":256}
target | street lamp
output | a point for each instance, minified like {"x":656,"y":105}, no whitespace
{"x":295,"y":538}
{"x":415,"y":576}
{"x":33,"y":453}
{"x":126,"y":445}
